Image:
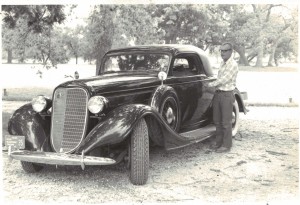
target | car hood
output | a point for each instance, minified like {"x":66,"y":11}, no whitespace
{"x":116,"y":82}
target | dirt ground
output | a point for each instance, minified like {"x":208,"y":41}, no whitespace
{"x":261,"y":168}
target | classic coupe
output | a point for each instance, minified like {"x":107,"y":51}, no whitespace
{"x":141,"y":96}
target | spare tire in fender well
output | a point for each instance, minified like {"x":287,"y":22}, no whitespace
{"x":164,"y":99}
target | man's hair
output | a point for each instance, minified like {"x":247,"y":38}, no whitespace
{"x":228,"y":43}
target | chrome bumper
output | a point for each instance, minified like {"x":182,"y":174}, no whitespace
{"x":59,"y":158}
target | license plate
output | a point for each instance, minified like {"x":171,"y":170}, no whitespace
{"x":15,"y":141}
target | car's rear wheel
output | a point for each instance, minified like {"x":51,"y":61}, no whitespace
{"x":235,"y":118}
{"x":30,"y":167}
{"x":139,"y":153}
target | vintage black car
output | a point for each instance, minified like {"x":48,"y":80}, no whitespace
{"x":141,"y":96}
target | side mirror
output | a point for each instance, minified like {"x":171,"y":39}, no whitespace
{"x":162,"y":76}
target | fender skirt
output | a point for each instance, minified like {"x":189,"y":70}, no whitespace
{"x":25,"y":121}
{"x":117,"y":125}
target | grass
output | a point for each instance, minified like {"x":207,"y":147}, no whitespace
{"x":268,"y":69}
{"x":260,"y":104}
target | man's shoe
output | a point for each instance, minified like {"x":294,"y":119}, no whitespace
{"x":222,"y":149}
{"x":214,"y":146}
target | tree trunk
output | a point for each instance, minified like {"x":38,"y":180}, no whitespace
{"x":241,"y":51}
{"x":9,"y":56}
{"x":98,"y":61}
{"x":76,"y":57}
{"x":105,"y":40}
{"x":272,"y":54}
{"x":260,"y":54}
{"x":273,"y":50}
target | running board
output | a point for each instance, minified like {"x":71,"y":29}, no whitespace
{"x":200,"y":134}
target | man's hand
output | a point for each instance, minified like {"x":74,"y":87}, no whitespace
{"x":206,"y":84}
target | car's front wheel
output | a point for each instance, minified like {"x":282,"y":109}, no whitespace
{"x":235,"y":118}
{"x":30,"y":167}
{"x":138,"y":152}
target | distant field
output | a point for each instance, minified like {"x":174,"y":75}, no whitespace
{"x":26,"y":93}
{"x":267,"y":85}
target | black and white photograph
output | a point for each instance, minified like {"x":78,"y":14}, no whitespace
{"x":149,"y":102}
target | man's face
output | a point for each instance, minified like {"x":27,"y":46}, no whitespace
{"x":225,"y":52}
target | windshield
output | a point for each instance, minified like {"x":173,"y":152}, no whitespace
{"x":136,"y":62}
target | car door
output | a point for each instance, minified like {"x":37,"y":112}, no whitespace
{"x":187,"y":76}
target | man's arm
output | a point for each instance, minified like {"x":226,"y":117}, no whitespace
{"x":225,"y":77}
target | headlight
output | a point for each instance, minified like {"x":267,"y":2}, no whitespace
{"x":96,"y":104}
{"x":39,"y":103}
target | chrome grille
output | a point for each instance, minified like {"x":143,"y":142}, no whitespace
{"x":69,"y":116}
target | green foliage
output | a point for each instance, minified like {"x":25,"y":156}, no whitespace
{"x":38,"y":17}
{"x":27,"y":31}
{"x":256,"y":31}
{"x":182,"y":23}
{"x":72,"y":39}
{"x":100,"y":31}
{"x":111,"y":26}
{"x":48,"y":48}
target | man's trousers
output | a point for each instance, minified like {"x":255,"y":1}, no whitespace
{"x":222,"y":117}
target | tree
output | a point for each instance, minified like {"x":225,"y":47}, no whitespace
{"x":283,"y":32}
{"x":112,"y":26}
{"x":135,"y":25}
{"x":8,"y":42}
{"x":72,"y":39}
{"x":48,"y":48}
{"x":182,"y":23}
{"x":100,"y":31}
{"x":253,"y":29}
{"x":38,"y":17}
{"x":24,"y":21}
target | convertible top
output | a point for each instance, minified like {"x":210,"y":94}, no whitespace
{"x":175,"y":49}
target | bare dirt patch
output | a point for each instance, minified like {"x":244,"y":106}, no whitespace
{"x":262,"y":167}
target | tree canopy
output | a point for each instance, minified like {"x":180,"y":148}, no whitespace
{"x":38,"y":17}
{"x":257,"y":31}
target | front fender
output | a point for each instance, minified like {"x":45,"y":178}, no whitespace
{"x":25,"y":121}
{"x":117,"y":125}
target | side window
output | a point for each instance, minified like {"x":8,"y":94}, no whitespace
{"x":180,"y":66}
{"x":187,"y":65}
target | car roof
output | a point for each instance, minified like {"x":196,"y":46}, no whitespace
{"x":175,"y":49}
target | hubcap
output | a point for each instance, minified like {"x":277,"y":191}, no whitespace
{"x":170,"y":112}
{"x":170,"y":117}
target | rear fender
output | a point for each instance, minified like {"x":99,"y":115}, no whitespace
{"x":239,"y":99}
{"x":25,"y":121}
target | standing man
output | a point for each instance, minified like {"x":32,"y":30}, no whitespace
{"x":224,"y":99}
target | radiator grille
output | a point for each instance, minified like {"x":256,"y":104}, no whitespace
{"x":69,"y":116}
